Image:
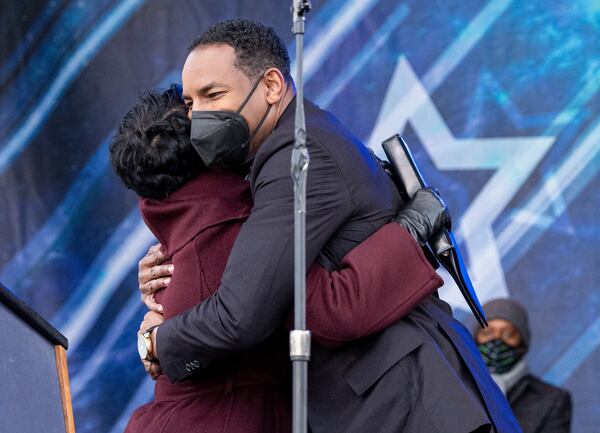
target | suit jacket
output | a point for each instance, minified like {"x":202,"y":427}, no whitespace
{"x":421,"y":374}
{"x":540,"y":407}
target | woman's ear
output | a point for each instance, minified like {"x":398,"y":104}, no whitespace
{"x":276,"y":85}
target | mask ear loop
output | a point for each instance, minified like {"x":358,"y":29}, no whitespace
{"x":259,"y":124}
{"x":264,"y":115}
{"x":249,"y":95}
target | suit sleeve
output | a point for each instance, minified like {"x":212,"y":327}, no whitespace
{"x":256,"y":291}
{"x":379,"y":281}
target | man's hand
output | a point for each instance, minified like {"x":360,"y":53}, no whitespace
{"x":424,"y":215}
{"x":153,"y":276}
{"x":152,"y":368}
{"x":152,"y":319}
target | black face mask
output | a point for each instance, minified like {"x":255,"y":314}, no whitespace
{"x":222,"y":138}
{"x":499,"y":356}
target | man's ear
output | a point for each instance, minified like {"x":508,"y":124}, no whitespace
{"x":276,"y":85}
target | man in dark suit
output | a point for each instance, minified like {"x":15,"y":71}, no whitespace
{"x":538,"y":406}
{"x":421,"y":374}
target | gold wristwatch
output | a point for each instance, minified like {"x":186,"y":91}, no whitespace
{"x":144,"y":344}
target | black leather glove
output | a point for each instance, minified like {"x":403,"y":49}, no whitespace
{"x":424,"y":215}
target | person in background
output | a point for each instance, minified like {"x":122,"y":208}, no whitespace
{"x":538,"y":406}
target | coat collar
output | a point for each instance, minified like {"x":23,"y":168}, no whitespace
{"x":211,"y":198}
{"x":518,"y":388}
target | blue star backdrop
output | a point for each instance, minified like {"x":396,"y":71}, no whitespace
{"x":499,"y":100}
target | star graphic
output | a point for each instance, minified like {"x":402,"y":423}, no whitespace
{"x":513,"y":160}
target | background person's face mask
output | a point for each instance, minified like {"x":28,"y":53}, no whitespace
{"x":499,"y":356}
{"x":222,"y":138}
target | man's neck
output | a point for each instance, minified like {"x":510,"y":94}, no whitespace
{"x":285,"y":101}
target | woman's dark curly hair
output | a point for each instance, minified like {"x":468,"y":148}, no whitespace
{"x":151,"y":151}
{"x":257,"y":47}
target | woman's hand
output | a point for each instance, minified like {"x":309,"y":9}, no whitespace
{"x":153,"y":276}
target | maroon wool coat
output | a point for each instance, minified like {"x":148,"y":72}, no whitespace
{"x":379,"y":281}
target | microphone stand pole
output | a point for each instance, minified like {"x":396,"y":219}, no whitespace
{"x":300,"y":336}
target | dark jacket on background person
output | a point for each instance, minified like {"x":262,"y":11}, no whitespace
{"x":540,"y":407}
{"x":421,"y":374}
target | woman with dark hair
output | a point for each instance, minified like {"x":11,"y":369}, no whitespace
{"x":196,"y":215}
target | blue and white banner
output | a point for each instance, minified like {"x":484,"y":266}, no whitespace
{"x":499,"y":100}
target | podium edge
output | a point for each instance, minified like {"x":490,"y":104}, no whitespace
{"x":65,"y":388}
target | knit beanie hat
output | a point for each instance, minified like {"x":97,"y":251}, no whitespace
{"x":509,"y":310}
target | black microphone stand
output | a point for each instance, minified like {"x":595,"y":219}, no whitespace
{"x":300,"y":336}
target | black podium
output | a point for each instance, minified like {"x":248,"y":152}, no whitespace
{"x":34,"y":394}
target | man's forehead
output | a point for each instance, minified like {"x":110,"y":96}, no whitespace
{"x":210,"y":66}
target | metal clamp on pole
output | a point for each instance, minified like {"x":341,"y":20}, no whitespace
{"x":299,"y":10}
{"x":299,"y":337}
{"x":300,"y":345}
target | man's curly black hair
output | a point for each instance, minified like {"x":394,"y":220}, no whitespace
{"x":151,"y":151}
{"x":256,"y":46}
